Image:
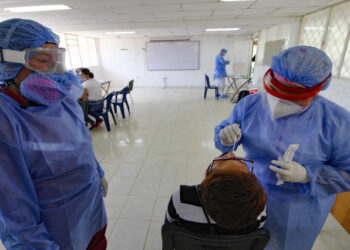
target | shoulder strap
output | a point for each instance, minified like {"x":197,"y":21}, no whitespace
{"x":212,"y":229}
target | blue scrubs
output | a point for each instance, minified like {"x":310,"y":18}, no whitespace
{"x":51,"y":195}
{"x":220,"y":64}
{"x":295,"y":212}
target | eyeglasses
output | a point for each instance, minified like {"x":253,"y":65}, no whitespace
{"x":247,"y":162}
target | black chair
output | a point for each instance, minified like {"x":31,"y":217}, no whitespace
{"x":131,"y":86}
{"x":120,"y":102}
{"x":178,"y":238}
{"x":107,"y":108}
{"x":207,"y":86}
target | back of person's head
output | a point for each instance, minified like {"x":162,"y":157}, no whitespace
{"x":233,"y":199}
{"x":87,"y":72}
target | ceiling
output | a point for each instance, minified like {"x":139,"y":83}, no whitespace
{"x":165,"y":17}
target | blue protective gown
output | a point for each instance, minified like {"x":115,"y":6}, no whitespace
{"x":295,"y":212}
{"x":51,"y":196}
{"x":220,"y":64}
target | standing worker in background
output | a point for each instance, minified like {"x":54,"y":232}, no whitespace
{"x":289,"y":113}
{"x":51,"y":184}
{"x":220,"y":72}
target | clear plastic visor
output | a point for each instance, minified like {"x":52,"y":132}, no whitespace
{"x":46,"y":61}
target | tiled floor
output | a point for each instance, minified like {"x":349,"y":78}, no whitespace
{"x":167,"y":141}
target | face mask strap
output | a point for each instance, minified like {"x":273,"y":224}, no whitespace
{"x":12,"y":56}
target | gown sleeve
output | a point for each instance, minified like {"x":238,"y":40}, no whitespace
{"x":235,"y":117}
{"x":20,"y":223}
{"x":334,"y":176}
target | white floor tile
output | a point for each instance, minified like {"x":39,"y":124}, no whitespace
{"x":120,"y":185}
{"x":128,"y":234}
{"x":151,"y":170}
{"x":146,"y":187}
{"x":110,"y":226}
{"x":175,"y":171}
{"x":168,"y":186}
{"x":160,"y":208}
{"x":114,"y":204}
{"x":154,"y":238}
{"x":128,"y":170}
{"x":138,"y":207}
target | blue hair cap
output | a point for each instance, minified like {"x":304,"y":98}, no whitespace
{"x":305,"y":65}
{"x":223,"y":50}
{"x":20,"y":34}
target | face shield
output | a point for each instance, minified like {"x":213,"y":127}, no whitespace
{"x":46,"y":61}
{"x":282,"y":91}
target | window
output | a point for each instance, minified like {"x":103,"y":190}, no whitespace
{"x":81,"y":51}
{"x":312,"y":29}
{"x":336,"y":35}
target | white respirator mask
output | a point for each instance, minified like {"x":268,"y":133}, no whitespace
{"x":281,"y":108}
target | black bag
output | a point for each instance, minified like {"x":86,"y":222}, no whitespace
{"x":242,"y":94}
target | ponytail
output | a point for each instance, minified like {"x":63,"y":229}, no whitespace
{"x":86,"y":71}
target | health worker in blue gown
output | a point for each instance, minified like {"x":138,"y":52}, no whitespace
{"x":220,"y":72}
{"x":301,"y":190}
{"x":51,"y":184}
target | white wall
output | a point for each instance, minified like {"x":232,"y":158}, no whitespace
{"x":123,"y":59}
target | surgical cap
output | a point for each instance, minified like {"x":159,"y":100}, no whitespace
{"x":223,"y":50}
{"x":19,"y":34}
{"x":305,"y":65}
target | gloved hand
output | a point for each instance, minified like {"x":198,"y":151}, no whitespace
{"x":104,"y":185}
{"x":290,"y":171}
{"x":230,"y":135}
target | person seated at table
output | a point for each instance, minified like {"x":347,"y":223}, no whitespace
{"x":92,"y":93}
{"x":230,"y":200}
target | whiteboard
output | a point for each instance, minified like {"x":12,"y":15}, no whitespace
{"x":272,"y":48}
{"x":172,"y":55}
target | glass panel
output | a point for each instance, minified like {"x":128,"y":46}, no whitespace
{"x":84,"y":51}
{"x":345,"y":70}
{"x":75,"y":56}
{"x":336,"y":35}
{"x":63,"y":44}
{"x":92,"y":51}
{"x":312,"y":29}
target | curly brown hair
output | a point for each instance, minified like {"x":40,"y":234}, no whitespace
{"x":233,"y":199}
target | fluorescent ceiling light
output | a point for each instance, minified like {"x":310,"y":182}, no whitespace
{"x":120,"y":33}
{"x":223,"y":29}
{"x":236,"y":0}
{"x":37,"y":8}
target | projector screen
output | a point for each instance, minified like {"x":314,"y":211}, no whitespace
{"x":172,"y":55}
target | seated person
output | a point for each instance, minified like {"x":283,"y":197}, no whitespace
{"x":92,"y":93}
{"x":230,"y":200}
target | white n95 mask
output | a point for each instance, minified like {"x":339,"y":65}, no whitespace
{"x":281,"y":108}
